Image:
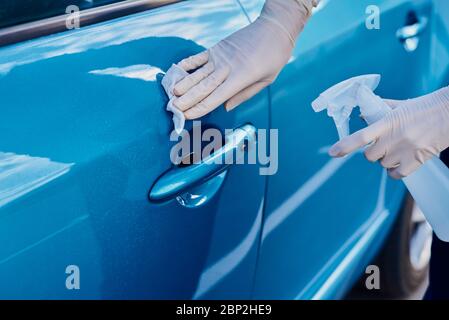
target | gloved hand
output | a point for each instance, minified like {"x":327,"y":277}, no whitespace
{"x":412,"y":133}
{"x":243,"y":64}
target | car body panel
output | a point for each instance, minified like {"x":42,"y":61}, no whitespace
{"x":85,"y":134}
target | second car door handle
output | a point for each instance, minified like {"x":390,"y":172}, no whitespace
{"x":413,"y":30}
{"x":180,"y":179}
{"x":409,"y":35}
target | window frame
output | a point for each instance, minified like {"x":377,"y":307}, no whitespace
{"x":48,"y":26}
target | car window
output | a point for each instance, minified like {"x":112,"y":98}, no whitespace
{"x":14,"y":12}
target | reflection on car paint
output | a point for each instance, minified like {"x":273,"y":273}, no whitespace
{"x":143,"y":25}
{"x":351,"y":249}
{"x":143,"y":72}
{"x":212,"y":275}
{"x":288,"y":207}
{"x":50,"y":236}
{"x":20,"y":174}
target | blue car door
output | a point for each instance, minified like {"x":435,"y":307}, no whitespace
{"x":439,"y":70}
{"x":322,"y":214}
{"x":85,"y":136}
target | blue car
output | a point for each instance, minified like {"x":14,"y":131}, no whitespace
{"x":91,"y":206}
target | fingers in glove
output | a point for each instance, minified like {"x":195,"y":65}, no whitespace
{"x":202,"y":90}
{"x":193,"y":79}
{"x":375,"y":152}
{"x":422,"y":155}
{"x":245,"y":94}
{"x":404,"y":170}
{"x":194,"y":62}
{"x":358,"y":140}
{"x":220,"y":95}
{"x":390,"y":162}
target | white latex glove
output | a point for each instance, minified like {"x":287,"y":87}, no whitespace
{"x":412,"y":133}
{"x":240,"y":66}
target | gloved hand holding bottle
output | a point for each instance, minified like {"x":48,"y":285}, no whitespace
{"x":240,"y":66}
{"x":412,"y":133}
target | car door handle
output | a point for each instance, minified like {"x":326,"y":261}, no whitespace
{"x":180,"y":179}
{"x":414,"y":30}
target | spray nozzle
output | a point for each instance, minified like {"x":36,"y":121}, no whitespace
{"x":339,"y":100}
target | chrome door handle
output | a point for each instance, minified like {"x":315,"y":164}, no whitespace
{"x":409,"y":35}
{"x":178,"y":180}
{"x":413,"y":30}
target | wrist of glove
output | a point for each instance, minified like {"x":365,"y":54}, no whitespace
{"x":413,"y":132}
{"x":289,"y":15}
{"x":240,"y":66}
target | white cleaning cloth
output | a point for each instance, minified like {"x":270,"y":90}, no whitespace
{"x":171,"y":78}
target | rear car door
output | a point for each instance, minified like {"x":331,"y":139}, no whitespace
{"x":439,"y":71}
{"x":324,"y":215}
{"x":83,"y":137}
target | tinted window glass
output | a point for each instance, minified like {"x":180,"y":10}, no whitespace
{"x":13,"y":12}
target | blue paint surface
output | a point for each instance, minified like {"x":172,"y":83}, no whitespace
{"x":85,"y":136}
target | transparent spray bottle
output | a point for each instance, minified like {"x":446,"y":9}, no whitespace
{"x":429,"y":185}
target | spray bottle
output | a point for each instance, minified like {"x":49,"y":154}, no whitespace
{"x":429,"y":185}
